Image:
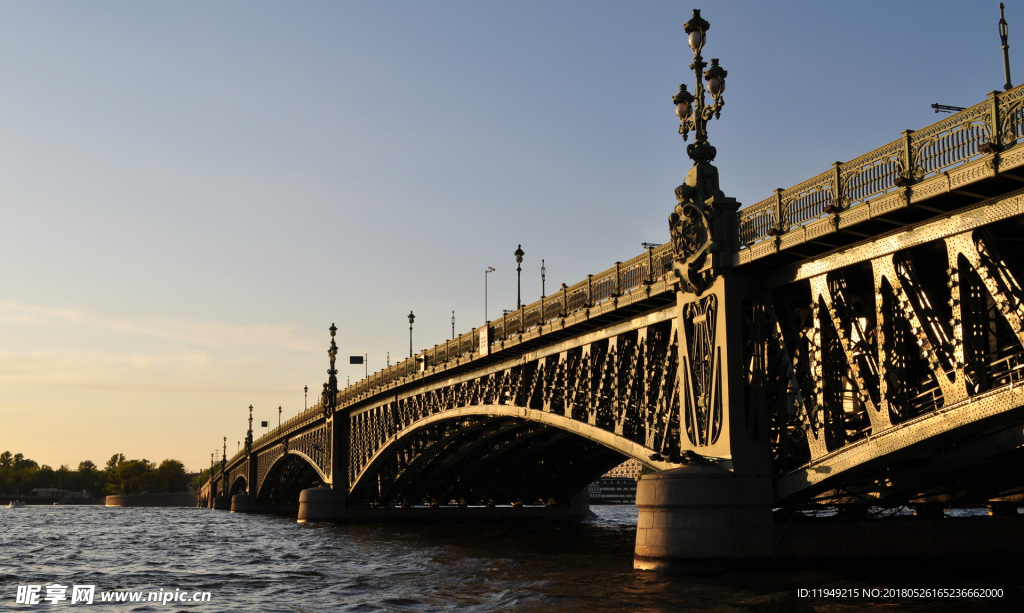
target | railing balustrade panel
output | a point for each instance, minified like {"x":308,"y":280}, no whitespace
{"x":808,"y":200}
{"x":757,"y":221}
{"x":952,"y":141}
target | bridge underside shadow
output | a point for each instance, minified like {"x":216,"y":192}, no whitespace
{"x":975,"y":464}
{"x":480,"y":460}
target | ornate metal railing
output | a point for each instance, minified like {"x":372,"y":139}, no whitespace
{"x":917,"y":155}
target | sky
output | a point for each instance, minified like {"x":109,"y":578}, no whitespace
{"x":193,"y":192}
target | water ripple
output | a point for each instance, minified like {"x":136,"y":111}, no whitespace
{"x":270,"y":564}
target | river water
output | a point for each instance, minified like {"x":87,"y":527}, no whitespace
{"x":268,"y":564}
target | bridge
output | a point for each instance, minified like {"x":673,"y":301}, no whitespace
{"x":855,"y":341}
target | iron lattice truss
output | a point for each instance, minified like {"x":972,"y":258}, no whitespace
{"x":877,"y":347}
{"x":624,"y":389}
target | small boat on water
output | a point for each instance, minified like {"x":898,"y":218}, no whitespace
{"x":16,"y":504}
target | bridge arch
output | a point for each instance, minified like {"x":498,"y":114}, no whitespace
{"x":481,"y":435}
{"x":239,"y":486}
{"x":287,"y":474}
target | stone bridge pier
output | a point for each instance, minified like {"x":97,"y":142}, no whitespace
{"x":718,"y":504}
{"x":327,"y":502}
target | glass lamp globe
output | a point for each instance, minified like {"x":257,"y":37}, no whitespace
{"x":696,"y":40}
{"x":716,"y":86}
{"x":683,"y":110}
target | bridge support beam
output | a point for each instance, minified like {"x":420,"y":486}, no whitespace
{"x":221,"y":503}
{"x":321,"y":504}
{"x":701,"y":517}
{"x":242,"y":503}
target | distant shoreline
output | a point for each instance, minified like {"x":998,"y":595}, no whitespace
{"x":40,"y":500}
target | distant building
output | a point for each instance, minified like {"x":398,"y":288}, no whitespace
{"x":629,"y":468}
{"x":49,"y":492}
{"x":612,"y":490}
{"x":617,"y":486}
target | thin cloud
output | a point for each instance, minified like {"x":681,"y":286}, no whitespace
{"x":205,"y":333}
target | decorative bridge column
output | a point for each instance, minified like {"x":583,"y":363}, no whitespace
{"x":327,"y":502}
{"x":221,"y":502}
{"x":719,"y":505}
{"x":246,"y":502}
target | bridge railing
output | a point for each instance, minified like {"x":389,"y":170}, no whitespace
{"x":915,"y":156}
{"x":623,"y":278}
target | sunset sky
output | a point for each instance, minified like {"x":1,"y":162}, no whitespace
{"x":193,"y":192}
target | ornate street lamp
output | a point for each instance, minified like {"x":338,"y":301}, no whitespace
{"x":248,"y":435}
{"x":543,"y":274}
{"x":332,"y":372}
{"x":453,"y":325}
{"x":412,"y":318}
{"x":519,"y":253}
{"x":691,"y":109}
{"x":279,"y":410}
{"x":305,"y":397}
{"x":694,"y":226}
{"x":1004,"y":32}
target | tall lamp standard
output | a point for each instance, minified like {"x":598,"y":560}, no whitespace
{"x":519,"y":253}
{"x":305,"y":397}
{"x":411,"y":319}
{"x":486,"y":272}
{"x":453,"y":325}
{"x":543,"y":274}
{"x":279,"y":410}
{"x":695,"y":215}
{"x":700,"y":151}
{"x":1004,"y":32}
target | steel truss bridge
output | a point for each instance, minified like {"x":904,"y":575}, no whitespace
{"x":858,"y":337}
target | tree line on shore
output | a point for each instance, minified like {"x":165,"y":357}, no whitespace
{"x":20,"y":475}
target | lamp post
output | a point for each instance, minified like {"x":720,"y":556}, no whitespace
{"x":305,"y":397}
{"x":248,"y":435}
{"x":453,"y":325}
{"x":519,"y":253}
{"x":332,"y":372}
{"x":224,"y":465}
{"x":486,"y":272}
{"x":1004,"y":32}
{"x":279,"y":410}
{"x":543,"y":274}
{"x":411,"y":319}
{"x":700,"y":151}
{"x":694,"y":226}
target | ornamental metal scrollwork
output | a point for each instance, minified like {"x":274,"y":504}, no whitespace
{"x":702,"y":374}
{"x":690,"y":231}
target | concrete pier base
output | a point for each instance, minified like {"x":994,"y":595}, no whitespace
{"x":221,"y":503}
{"x":320,"y":504}
{"x":242,"y":503}
{"x":702,"y":518}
